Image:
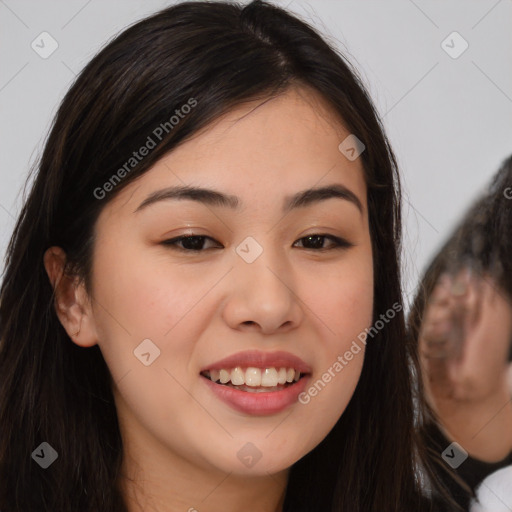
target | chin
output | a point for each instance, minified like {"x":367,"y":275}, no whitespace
{"x":250,"y":461}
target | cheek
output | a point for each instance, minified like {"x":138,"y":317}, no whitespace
{"x":344,"y":308}
{"x":149,"y":299}
{"x":139,"y":298}
{"x":348,"y":308}
{"x":342,"y":297}
{"x":147,"y":295}
{"x":347,"y":311}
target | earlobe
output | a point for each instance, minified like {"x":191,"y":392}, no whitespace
{"x":70,"y":300}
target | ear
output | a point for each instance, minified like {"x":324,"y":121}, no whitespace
{"x":71,"y":301}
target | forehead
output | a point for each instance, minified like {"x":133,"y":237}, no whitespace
{"x":260,"y":151}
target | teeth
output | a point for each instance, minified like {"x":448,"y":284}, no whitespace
{"x":255,"y":377}
{"x":237,"y":376}
{"x":269,"y":377}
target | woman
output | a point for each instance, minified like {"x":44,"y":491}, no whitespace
{"x":214,"y":223}
{"x":462,"y":319}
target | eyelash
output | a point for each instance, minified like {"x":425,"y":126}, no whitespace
{"x":340,"y":243}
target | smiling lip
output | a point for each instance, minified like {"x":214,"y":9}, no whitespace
{"x":258,"y":359}
{"x":261,"y":403}
{"x":258,"y":403}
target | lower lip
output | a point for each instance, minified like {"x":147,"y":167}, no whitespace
{"x":258,"y":403}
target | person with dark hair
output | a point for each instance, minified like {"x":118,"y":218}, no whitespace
{"x":462,"y":321}
{"x":201,"y":308}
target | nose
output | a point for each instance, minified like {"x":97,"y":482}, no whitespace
{"x":262,"y":296}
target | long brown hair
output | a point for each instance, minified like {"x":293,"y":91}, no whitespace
{"x":221,"y":54}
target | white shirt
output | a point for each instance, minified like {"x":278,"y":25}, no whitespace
{"x":494,"y":494}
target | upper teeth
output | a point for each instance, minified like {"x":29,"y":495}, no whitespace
{"x":267,"y":377}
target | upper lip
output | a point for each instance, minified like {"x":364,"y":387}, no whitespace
{"x":258,"y":359}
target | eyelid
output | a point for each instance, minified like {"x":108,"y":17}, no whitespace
{"x":339,"y":242}
{"x":172,"y":242}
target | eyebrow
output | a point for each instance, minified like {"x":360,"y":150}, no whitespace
{"x":215,"y":198}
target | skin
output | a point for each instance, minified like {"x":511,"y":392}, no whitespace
{"x":180,"y":441}
{"x":464,"y":342}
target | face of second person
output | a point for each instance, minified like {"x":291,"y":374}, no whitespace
{"x":249,"y":280}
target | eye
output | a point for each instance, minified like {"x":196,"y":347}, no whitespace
{"x":189,"y":242}
{"x":196,"y":243}
{"x":316,"y":242}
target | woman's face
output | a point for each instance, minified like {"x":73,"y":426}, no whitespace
{"x":249,"y":287}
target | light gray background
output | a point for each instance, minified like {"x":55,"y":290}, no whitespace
{"x":449,"y":120}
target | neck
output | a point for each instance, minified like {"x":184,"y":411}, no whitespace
{"x":156,"y":480}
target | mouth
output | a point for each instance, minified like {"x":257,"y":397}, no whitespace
{"x":255,"y":380}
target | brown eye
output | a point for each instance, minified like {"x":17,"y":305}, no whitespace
{"x":189,"y":242}
{"x":316,"y":242}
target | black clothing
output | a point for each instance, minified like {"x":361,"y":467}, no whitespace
{"x":472,"y":471}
